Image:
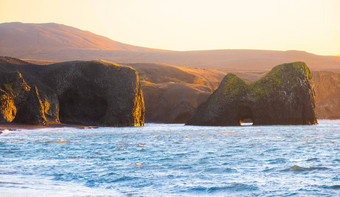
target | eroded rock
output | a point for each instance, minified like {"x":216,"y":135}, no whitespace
{"x":284,"y":96}
{"x":32,"y":111}
{"x":80,"y":92}
{"x":13,"y":93}
{"x":7,"y":107}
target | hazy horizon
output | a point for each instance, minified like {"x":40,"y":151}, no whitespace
{"x":194,"y":25}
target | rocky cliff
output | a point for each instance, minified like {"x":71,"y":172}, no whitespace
{"x":284,"y":96}
{"x":79,"y":92}
{"x":172,"y":93}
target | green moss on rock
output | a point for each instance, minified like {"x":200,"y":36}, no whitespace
{"x":284,"y":96}
{"x":232,"y":85}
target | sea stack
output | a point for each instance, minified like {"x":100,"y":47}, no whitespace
{"x":95,"y":93}
{"x":285,"y":96}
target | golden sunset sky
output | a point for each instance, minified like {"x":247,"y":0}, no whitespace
{"x":309,"y":25}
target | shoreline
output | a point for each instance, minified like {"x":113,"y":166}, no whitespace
{"x":53,"y":125}
{"x":16,"y":126}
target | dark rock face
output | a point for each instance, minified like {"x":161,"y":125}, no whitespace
{"x":284,"y":96}
{"x":32,"y":111}
{"x":80,"y":92}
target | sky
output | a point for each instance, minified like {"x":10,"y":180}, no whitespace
{"x":308,"y":25}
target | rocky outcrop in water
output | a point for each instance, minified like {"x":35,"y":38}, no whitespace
{"x":284,"y":96}
{"x":79,"y":92}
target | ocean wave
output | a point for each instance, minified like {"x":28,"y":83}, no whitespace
{"x":124,"y":178}
{"x":336,"y":187}
{"x":102,"y":162}
{"x":313,"y":159}
{"x":277,"y":161}
{"x":236,"y":187}
{"x":220,"y":170}
{"x":6,"y":132}
{"x":41,"y":186}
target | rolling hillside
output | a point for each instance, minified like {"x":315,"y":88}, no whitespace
{"x":28,"y":39}
{"x":172,"y":93}
{"x":58,"y":42}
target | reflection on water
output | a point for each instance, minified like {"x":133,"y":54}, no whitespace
{"x":172,"y":160}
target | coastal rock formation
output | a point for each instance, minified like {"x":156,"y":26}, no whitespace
{"x":79,"y":92}
{"x":172,"y":93}
{"x":32,"y":111}
{"x":326,"y":87}
{"x":7,"y":107}
{"x":13,"y":92}
{"x":63,"y":43}
{"x":284,"y":96}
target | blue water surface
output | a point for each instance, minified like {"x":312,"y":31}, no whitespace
{"x":172,"y":160}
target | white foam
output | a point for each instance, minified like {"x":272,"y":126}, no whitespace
{"x":5,"y":132}
{"x":30,"y":185}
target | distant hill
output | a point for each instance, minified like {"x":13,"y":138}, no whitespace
{"x":172,"y":93}
{"x":28,"y":38}
{"x":58,"y":42}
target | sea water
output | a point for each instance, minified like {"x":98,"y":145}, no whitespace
{"x":172,"y":160}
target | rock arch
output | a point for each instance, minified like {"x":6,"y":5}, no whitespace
{"x":284,"y":96}
{"x":245,"y":114}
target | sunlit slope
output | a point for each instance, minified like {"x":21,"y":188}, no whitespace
{"x":171,"y":93}
{"x":27,"y":38}
{"x":62,"y":43}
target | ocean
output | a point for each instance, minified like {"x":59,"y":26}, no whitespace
{"x":172,"y":160}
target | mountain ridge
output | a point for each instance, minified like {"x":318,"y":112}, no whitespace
{"x":59,"y":35}
{"x":59,"y":42}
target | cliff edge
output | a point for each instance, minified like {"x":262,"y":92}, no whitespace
{"x":79,"y":92}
